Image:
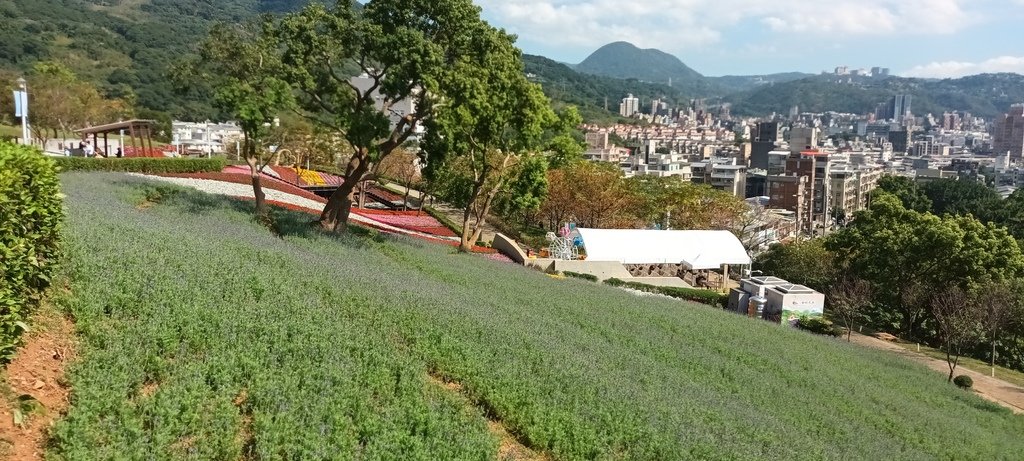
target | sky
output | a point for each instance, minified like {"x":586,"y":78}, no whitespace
{"x":914,"y":38}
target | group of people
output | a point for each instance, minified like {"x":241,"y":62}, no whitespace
{"x":86,"y":149}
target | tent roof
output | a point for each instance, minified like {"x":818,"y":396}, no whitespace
{"x":696,"y":249}
{"x":112,"y":127}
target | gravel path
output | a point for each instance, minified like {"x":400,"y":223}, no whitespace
{"x":238,"y":190}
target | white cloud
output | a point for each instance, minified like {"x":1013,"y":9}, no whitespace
{"x":679,"y":25}
{"x":954,"y":69}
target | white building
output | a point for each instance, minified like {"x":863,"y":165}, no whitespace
{"x":397,"y":110}
{"x":629,"y":106}
{"x":205,"y":136}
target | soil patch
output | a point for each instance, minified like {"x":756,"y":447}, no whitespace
{"x":33,"y":385}
{"x":510,"y":448}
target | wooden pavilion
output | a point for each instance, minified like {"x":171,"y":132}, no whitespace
{"x":141,"y":130}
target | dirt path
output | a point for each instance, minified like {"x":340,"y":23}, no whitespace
{"x":509,"y":448}
{"x":989,"y":388}
{"x":34,"y":384}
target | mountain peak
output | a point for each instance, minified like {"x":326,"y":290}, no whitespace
{"x":626,"y":60}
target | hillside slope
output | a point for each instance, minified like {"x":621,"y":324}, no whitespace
{"x":588,"y":92}
{"x":129,"y":47}
{"x":239,"y":344}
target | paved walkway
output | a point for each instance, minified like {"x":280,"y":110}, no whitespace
{"x":993,"y":389}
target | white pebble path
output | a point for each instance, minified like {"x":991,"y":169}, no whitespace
{"x":231,"y":189}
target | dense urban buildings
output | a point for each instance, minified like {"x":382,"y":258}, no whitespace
{"x":1008,"y":133}
{"x":817,"y":169}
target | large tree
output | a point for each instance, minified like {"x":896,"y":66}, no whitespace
{"x":804,"y":262}
{"x":61,"y":103}
{"x":896,"y":249}
{"x":406,"y":49}
{"x":240,"y":62}
{"x":906,"y":190}
{"x":591,"y":194}
{"x":668,"y":201}
{"x":962,"y":197}
{"x":488,"y":126}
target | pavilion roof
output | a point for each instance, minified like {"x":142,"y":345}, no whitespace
{"x":115,"y":127}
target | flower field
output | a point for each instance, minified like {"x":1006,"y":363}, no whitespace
{"x":203,"y":336}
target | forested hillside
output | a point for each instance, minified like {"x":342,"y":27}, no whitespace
{"x":128,"y":47}
{"x":588,"y":92}
{"x":985,"y":95}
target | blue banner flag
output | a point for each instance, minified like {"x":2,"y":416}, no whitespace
{"x":21,"y":104}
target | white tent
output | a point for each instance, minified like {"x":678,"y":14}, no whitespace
{"x":695,"y":249}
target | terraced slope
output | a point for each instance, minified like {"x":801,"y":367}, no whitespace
{"x":206,"y":337}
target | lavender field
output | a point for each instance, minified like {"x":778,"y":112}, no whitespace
{"x":205,"y":336}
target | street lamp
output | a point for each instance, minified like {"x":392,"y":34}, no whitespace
{"x":22,"y":103}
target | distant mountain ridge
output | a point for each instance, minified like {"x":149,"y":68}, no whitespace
{"x":620,"y":68}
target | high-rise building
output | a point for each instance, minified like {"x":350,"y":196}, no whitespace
{"x":899,"y":107}
{"x":766,"y":136}
{"x":1008,"y":133}
{"x":629,"y":106}
{"x":900,"y":140}
{"x":818,"y":168}
{"x":951,"y":121}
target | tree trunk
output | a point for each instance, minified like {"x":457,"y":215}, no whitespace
{"x":993,"y":358}
{"x":258,"y":195}
{"x":465,"y":245}
{"x":335,"y":215}
{"x":339,"y":206}
{"x":951,"y":361}
{"x":405,"y":198}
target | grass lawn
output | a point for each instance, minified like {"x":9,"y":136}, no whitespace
{"x":205,"y":336}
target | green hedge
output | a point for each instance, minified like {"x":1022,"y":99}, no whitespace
{"x":30,"y":215}
{"x":819,"y":326}
{"x":590,"y":277}
{"x":443,"y":220}
{"x":708,"y":297}
{"x":142,"y":164}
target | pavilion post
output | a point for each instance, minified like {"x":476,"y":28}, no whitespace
{"x":149,"y":138}
{"x":106,"y":145}
{"x":131,"y":134}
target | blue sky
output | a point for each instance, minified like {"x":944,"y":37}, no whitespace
{"x":922,"y":38}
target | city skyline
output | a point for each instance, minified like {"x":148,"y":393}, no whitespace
{"x":915,"y":38}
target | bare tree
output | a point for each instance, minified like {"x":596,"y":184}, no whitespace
{"x":958,"y":320}
{"x":1001,"y":302}
{"x":847,"y":300}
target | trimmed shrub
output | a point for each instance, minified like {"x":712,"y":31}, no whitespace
{"x":578,"y":275}
{"x":30,"y":216}
{"x":818,"y":325}
{"x":963,"y":382}
{"x":142,"y":164}
{"x":708,"y":297}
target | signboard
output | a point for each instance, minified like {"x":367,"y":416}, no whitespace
{"x":20,"y":103}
